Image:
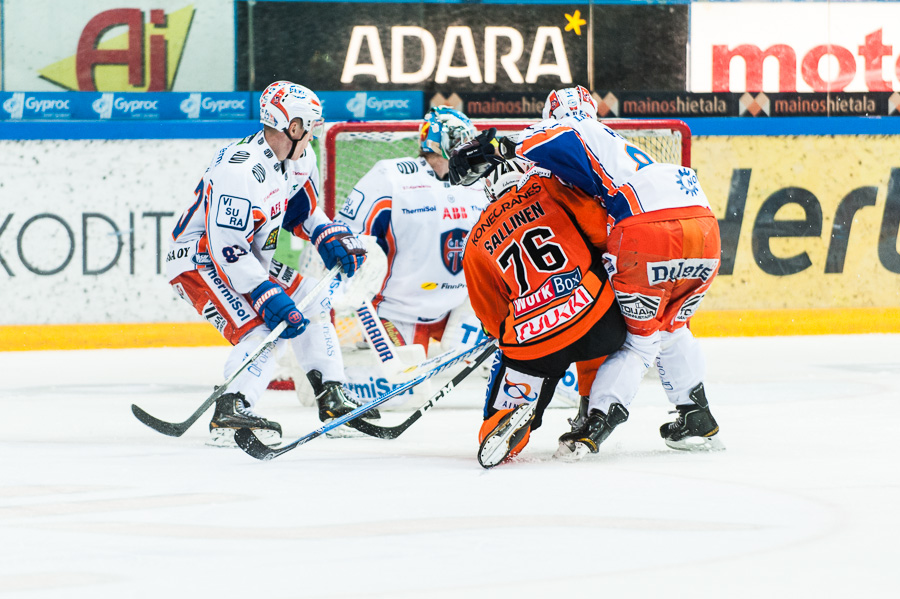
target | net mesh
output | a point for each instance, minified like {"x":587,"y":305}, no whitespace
{"x":356,"y":151}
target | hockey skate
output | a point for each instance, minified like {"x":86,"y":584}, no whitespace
{"x":333,"y":402}
{"x":694,"y":429}
{"x":232,"y":413}
{"x":589,"y":432}
{"x":505,"y":434}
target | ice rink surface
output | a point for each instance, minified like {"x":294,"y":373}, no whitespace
{"x":805,"y":501}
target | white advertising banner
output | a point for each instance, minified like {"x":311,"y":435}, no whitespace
{"x":110,"y":46}
{"x":84,"y":228}
{"x":795,"y":47}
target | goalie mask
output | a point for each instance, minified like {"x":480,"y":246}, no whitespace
{"x":571,"y":101}
{"x":283,"y":101}
{"x":503,"y":178}
{"x":444,"y":128}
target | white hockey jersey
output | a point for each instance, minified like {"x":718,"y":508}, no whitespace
{"x":421,"y":224}
{"x":602,"y":163}
{"x":240,"y":206}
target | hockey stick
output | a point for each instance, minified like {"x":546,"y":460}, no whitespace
{"x":392,"y":432}
{"x":386,"y":352}
{"x":247,"y":441}
{"x":176,"y":429}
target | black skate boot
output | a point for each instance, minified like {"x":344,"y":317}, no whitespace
{"x":694,"y":429}
{"x":333,"y":402}
{"x":579,"y":420}
{"x":232,"y":413}
{"x":593,"y":431}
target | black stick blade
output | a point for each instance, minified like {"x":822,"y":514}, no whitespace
{"x":252,"y":446}
{"x":386,"y":432}
{"x":160,"y":426}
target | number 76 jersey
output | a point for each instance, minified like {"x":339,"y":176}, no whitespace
{"x":534,"y":269}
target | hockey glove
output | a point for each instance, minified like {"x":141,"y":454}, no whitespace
{"x":474,"y":159}
{"x":274,"y":305}
{"x":336,"y":244}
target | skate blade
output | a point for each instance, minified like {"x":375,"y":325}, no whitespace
{"x":495,"y":447}
{"x":571,"y":454}
{"x":697,"y":444}
{"x":224,"y":437}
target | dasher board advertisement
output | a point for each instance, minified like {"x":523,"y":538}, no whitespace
{"x":795,"y":47}
{"x":465,"y":47}
{"x":110,"y":46}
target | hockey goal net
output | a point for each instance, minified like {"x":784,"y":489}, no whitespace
{"x":351,"y":149}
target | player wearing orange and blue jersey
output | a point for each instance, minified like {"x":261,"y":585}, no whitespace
{"x":662,"y":255}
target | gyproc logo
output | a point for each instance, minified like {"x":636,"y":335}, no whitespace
{"x":357,"y":105}
{"x":191,"y":106}
{"x":15,"y":105}
{"x":103,"y":106}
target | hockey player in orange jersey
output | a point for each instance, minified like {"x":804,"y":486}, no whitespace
{"x":662,"y":256}
{"x":537,"y":283}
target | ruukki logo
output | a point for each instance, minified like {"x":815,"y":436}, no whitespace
{"x":840,"y":47}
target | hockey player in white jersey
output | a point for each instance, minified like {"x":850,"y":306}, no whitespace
{"x":220,"y":259}
{"x":662,"y":256}
{"x":420,"y":222}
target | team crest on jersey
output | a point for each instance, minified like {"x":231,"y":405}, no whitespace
{"x":271,"y":240}
{"x":452,"y":243}
{"x":637,"y":306}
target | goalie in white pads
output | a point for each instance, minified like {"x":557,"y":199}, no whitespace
{"x":220,"y":259}
{"x":420,"y":222}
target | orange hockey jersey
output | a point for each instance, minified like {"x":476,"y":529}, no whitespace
{"x":533,"y":266}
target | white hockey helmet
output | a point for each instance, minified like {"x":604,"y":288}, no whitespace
{"x":283,"y":101}
{"x":571,"y":101}
{"x":504,"y":177}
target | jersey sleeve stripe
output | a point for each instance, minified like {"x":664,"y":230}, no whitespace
{"x":380,"y":206}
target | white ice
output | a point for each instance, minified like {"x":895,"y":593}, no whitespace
{"x":805,"y":501}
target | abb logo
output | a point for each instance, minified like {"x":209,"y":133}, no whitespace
{"x":872,"y":51}
{"x":454,"y":213}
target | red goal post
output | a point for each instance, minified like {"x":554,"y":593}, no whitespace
{"x":352,"y":148}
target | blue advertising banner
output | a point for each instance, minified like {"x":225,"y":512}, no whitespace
{"x":89,"y":106}
{"x":371,"y":106}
